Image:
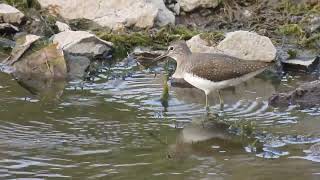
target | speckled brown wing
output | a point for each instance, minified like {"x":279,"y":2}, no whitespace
{"x":219,"y":70}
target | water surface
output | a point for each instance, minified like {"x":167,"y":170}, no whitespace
{"x":116,"y":127}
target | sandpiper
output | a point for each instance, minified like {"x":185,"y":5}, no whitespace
{"x":211,"y":72}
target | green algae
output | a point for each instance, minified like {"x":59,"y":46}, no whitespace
{"x":311,"y":42}
{"x":292,"y":53}
{"x":24,"y":4}
{"x":291,"y":29}
{"x":213,"y":38}
{"x":124,"y":42}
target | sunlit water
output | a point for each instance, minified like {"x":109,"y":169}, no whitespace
{"x":116,"y":127}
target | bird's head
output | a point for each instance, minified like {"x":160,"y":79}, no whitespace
{"x":177,"y":51}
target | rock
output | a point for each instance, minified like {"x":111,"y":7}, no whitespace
{"x":62,"y":26}
{"x":82,"y":43}
{"x":315,"y":24}
{"x":196,"y":44}
{"x":80,"y":47}
{"x":164,"y":15}
{"x":46,"y":63}
{"x":190,"y":5}
{"x":115,"y":14}
{"x":241,"y":44}
{"x":39,"y":23}
{"x":6,"y":43}
{"x":6,"y":28}
{"x":9,"y":14}
{"x":176,"y":8}
{"x":306,"y":95}
{"x":22,"y":45}
{"x":77,"y":66}
{"x":248,"y":46}
{"x":246,"y":13}
{"x":303,"y":64}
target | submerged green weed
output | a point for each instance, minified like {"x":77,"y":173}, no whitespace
{"x":24,"y":4}
{"x":292,"y":53}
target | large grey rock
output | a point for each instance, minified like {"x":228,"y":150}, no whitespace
{"x":81,"y":43}
{"x":301,"y":64}
{"x":241,"y":44}
{"x":115,"y":14}
{"x":190,"y":5}
{"x":9,"y":14}
{"x":248,"y":46}
{"x":62,"y":26}
{"x":47,"y":62}
{"x":197,"y":44}
{"x":80,"y":47}
{"x":77,"y":66}
{"x":22,"y":45}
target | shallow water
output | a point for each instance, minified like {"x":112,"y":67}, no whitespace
{"x":116,"y":127}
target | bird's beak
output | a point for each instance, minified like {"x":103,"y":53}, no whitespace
{"x":161,"y":57}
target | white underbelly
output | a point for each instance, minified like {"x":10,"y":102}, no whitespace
{"x":208,"y":86}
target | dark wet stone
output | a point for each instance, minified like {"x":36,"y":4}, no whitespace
{"x":77,"y":66}
{"x":4,"y":42}
{"x":307,"y":95}
{"x":6,"y":28}
{"x":301,"y":64}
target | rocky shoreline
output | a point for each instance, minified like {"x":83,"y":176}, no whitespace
{"x":59,"y":39}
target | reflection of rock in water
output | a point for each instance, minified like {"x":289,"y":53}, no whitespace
{"x":250,"y":90}
{"x":45,"y":88}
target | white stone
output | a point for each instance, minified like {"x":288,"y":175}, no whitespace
{"x":190,"y":5}
{"x":62,"y":26}
{"x":315,"y":24}
{"x":23,"y":43}
{"x":198,"y":45}
{"x":176,"y":8}
{"x":248,"y":46}
{"x":115,"y":14}
{"x":247,"y":13}
{"x":240,"y":44}
{"x":81,"y":43}
{"x":30,"y":38}
{"x":9,"y":14}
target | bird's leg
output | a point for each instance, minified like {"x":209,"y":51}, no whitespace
{"x":207,"y":104}
{"x":221,"y":100}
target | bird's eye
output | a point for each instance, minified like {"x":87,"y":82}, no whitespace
{"x":171,"y":48}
